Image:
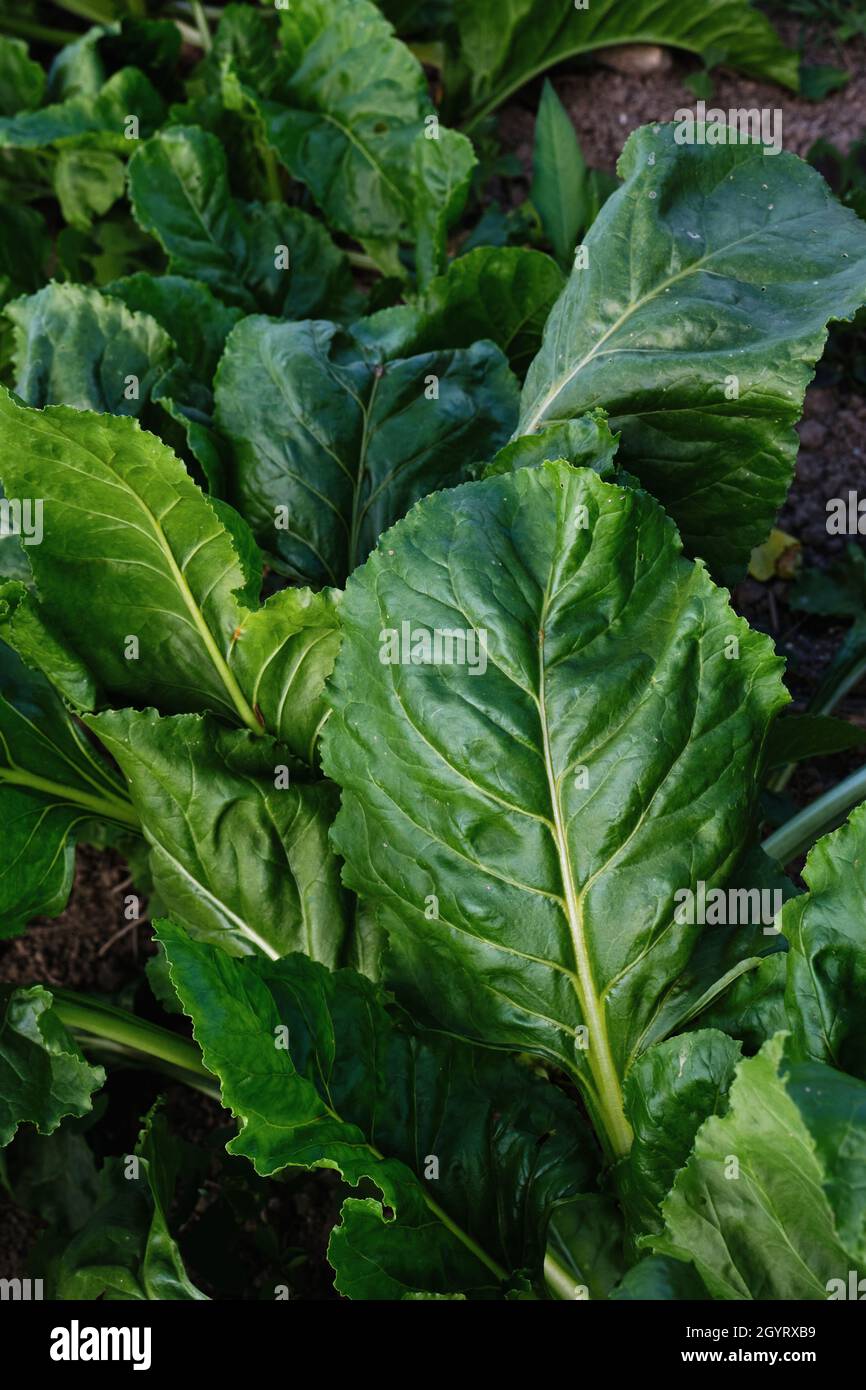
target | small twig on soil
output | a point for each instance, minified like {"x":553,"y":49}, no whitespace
{"x":118,"y":935}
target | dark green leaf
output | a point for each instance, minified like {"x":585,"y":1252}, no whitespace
{"x":43,"y":1075}
{"x":559,"y":177}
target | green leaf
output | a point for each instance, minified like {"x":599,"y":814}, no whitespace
{"x":43,"y":1075}
{"x":700,"y":341}
{"x":179,"y":190}
{"x":345,"y":440}
{"x":586,"y":442}
{"x":126,"y":1250}
{"x":826,"y":929}
{"x":586,"y":1240}
{"x":558,"y":177}
{"x":97,"y":121}
{"x":87,"y":183}
{"x":53,"y":785}
{"x":669,"y":1092}
{"x":503,"y":293}
{"x":599,"y":740}
{"x":75,"y":347}
{"x":504,"y":46}
{"x":25,"y":247}
{"x":238,"y":858}
{"x":442,"y":170}
{"x":22,"y":81}
{"x":796,"y":737}
{"x":320,"y":1074}
{"x":793,"y":1220}
{"x":345,"y":120}
{"x":658,"y":1278}
{"x":192,"y":317}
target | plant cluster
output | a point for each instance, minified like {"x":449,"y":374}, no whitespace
{"x":364,"y":591}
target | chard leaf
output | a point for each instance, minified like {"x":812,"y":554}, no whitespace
{"x":126,"y":1250}
{"x":586,"y":443}
{"x":503,"y":293}
{"x":22,"y":81}
{"x":53,"y":785}
{"x":661,"y":1279}
{"x":669,"y":1092}
{"x":345,"y":120}
{"x":196,"y":321}
{"x":238,"y":858}
{"x":43,"y":1074}
{"x":352,"y":1088}
{"x":179,"y":189}
{"x":503,"y":46}
{"x":743,"y":260}
{"x":336,"y":443}
{"x":797,"y":737}
{"x":97,"y":121}
{"x":75,"y":347}
{"x":826,"y":963}
{"x":794,"y":1219}
{"x":586,"y":1241}
{"x":441,"y":171}
{"x":551,"y":799}
{"x":87,"y":183}
{"x":558,"y":189}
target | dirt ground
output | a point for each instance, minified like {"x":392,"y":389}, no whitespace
{"x":85,"y":948}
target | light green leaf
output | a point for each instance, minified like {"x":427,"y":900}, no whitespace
{"x":345,"y":440}
{"x":75,"y":347}
{"x":196,"y":321}
{"x":586,"y":442}
{"x":345,"y":121}
{"x":442,"y":172}
{"x":352,"y":1089}
{"x":97,"y":121}
{"x":826,"y":963}
{"x":558,"y":177}
{"x":179,"y":190}
{"x":87,"y":183}
{"x":505,"y":43}
{"x":599,"y":742}
{"x":700,"y":341}
{"x":239,"y":858}
{"x":43,"y":1075}
{"x":503,"y":293}
{"x":669,"y":1092}
{"x":795,"y":1217}
{"x":53,"y":785}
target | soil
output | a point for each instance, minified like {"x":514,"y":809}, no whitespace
{"x":87,"y":947}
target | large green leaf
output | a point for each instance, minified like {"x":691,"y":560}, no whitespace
{"x":826,"y":929}
{"x":534,"y":812}
{"x":179,"y":188}
{"x":503,"y":293}
{"x":558,"y":190}
{"x":469,"y":1154}
{"x":43,"y":1074}
{"x":505,"y":43}
{"x":73,"y":346}
{"x":239,"y":848}
{"x":53,"y":786}
{"x":336,"y":442}
{"x":771,"y":1203}
{"x":98,"y":121}
{"x":442,"y":167}
{"x":125,"y":1250}
{"x":345,"y":120}
{"x":157,"y":562}
{"x":696,"y":323}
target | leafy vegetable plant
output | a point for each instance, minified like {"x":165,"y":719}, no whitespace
{"x":367,"y":600}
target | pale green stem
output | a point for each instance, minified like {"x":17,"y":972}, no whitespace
{"x":107,"y":807}
{"x":799,"y":833}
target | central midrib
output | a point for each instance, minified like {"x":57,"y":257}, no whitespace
{"x":601,"y":1064}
